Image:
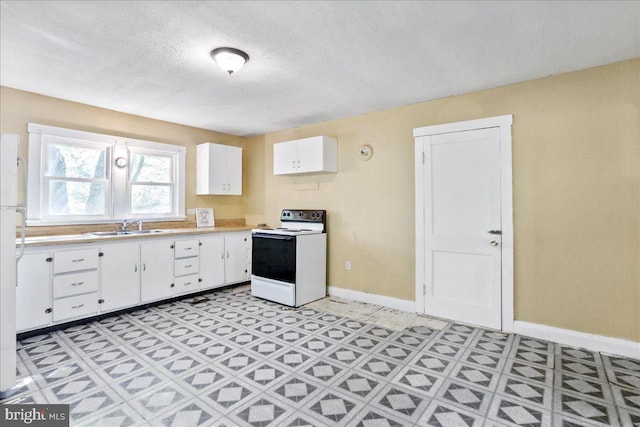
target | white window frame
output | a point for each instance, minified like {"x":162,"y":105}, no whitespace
{"x":118,"y":187}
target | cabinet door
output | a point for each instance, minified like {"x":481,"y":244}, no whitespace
{"x":33,"y":298}
{"x":285,"y":158}
{"x":120,"y":276}
{"x":156,"y":257}
{"x":217,"y":169}
{"x":234,"y":170}
{"x":310,"y":155}
{"x":212,"y":258}
{"x":236,"y":258}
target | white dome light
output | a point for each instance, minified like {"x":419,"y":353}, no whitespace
{"x":229,"y":59}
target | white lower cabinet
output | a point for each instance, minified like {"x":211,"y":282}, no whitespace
{"x":33,"y":294}
{"x":119,"y":276}
{"x":225,"y":260}
{"x":157,"y":270}
{"x":64,"y":283}
{"x":74,"y":307}
{"x":212,"y":265}
{"x":75,"y":283}
{"x":186,"y":284}
{"x":237,"y":249}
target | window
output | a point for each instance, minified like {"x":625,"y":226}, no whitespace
{"x":83,"y":177}
{"x":150,"y":183}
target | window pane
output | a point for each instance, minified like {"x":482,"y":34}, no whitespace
{"x":154,"y":199}
{"x":75,"y":162}
{"x":148,"y":168}
{"x":76,"y":198}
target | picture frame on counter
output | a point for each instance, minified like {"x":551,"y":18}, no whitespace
{"x":204,"y":217}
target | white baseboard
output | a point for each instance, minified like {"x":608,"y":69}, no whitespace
{"x":599,"y":343}
{"x":571,"y":338}
{"x":390,"y":302}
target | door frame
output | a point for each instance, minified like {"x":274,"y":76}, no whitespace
{"x":506,"y":207}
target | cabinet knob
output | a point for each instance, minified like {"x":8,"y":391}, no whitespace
{"x":172,"y":285}
{"x":48,"y":310}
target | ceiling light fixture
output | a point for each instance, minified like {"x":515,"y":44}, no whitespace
{"x":229,"y":59}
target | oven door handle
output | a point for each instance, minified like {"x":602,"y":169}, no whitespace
{"x":273,"y":236}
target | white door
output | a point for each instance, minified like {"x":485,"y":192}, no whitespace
{"x":212,"y":257}
{"x":236,"y":256}
{"x":234,"y":170}
{"x":120,"y":276}
{"x":33,"y":298}
{"x":462,"y":226}
{"x":285,"y":157}
{"x":156,"y":257}
{"x":310,"y":155}
{"x":218,"y":169}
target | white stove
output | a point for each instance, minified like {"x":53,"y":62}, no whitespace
{"x":289,"y":263}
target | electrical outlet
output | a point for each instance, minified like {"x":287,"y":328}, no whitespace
{"x":347,"y":265}
{"x":191,"y":211}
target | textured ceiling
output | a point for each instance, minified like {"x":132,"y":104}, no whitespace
{"x":310,"y":61}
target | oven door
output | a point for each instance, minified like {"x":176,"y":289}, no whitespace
{"x":273,"y":256}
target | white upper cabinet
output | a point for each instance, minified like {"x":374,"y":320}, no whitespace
{"x":219,"y":169}
{"x":318,"y":154}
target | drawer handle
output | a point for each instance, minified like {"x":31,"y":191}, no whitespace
{"x":77,"y":306}
{"x":188,"y":284}
{"x":187,"y":249}
{"x":78,"y":260}
{"x":77,"y":284}
{"x":188,"y":266}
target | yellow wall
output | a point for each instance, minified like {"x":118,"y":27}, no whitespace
{"x":576,"y":176}
{"x":17,"y":108}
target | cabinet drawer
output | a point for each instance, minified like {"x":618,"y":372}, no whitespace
{"x":78,"y":306}
{"x":65,"y":261}
{"x":75,"y":283}
{"x":186,"y":248}
{"x":187,"y":266}
{"x":187,"y":284}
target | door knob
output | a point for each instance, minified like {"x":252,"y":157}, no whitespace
{"x":494,"y":243}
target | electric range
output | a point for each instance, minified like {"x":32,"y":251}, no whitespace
{"x":289,"y":263}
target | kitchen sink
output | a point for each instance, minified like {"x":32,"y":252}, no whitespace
{"x":124,"y":233}
{"x":145,"y":231}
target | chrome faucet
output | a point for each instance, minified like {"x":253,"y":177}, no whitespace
{"x":128,"y":222}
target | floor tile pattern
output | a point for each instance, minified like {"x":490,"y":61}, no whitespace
{"x":228,"y":359}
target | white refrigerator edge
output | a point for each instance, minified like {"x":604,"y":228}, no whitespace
{"x":10,"y":207}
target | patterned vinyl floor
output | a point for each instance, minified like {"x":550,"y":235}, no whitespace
{"x":228,"y":359}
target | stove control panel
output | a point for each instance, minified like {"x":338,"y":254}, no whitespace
{"x":298,"y":215}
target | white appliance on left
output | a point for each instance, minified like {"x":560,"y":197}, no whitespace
{"x":10,"y":207}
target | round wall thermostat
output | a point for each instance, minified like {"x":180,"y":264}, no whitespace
{"x":366,"y":151}
{"x":121,"y":162}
